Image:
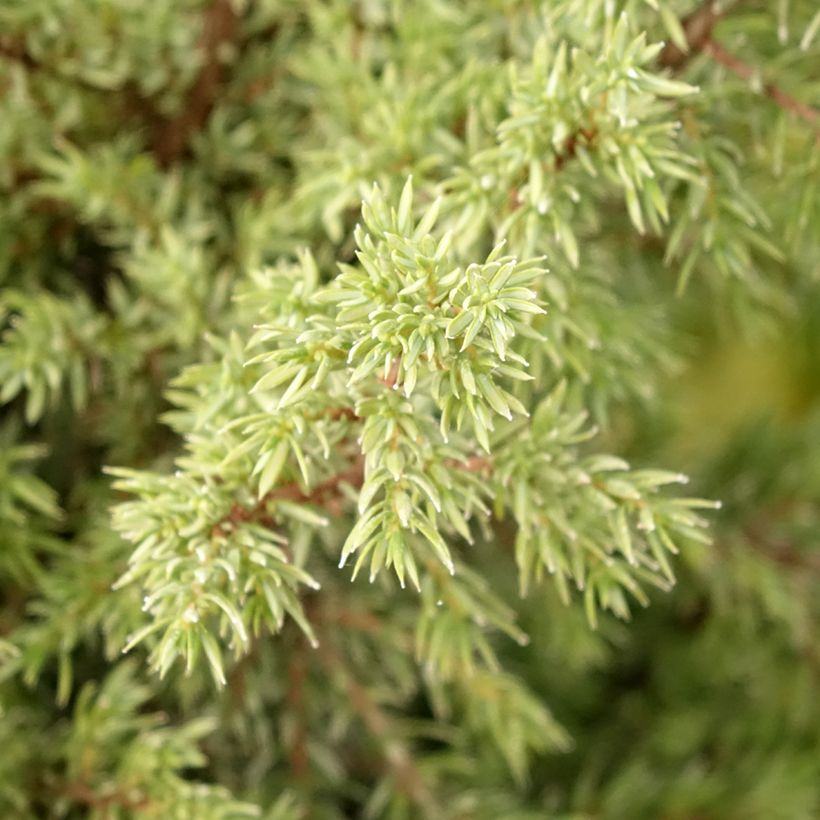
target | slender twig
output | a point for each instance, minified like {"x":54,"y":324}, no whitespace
{"x":353,"y":475}
{"x":397,"y":756}
{"x":324,"y":494}
{"x":219,"y":31}
{"x":82,"y":793}
{"x":782,"y":552}
{"x":132,"y":101}
{"x":474,"y":464}
{"x":697,"y":27}
{"x":583,"y":136}
{"x":747,"y":72}
{"x":298,"y":746}
{"x":358,"y":620}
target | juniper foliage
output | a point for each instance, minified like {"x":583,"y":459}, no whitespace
{"x":353,"y":359}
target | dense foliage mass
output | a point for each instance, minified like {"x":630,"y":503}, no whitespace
{"x":354,"y":355}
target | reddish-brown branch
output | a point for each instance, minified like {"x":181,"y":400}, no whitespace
{"x":85,"y":795}
{"x":336,"y":413}
{"x":474,"y":464}
{"x":239,"y":513}
{"x":583,"y":136}
{"x":170,"y":136}
{"x":747,"y":72}
{"x":397,"y":757}
{"x":133,"y":103}
{"x":298,"y":748}
{"x":782,"y":552}
{"x":219,"y":31}
{"x":16,"y":51}
{"x":330,"y":615}
{"x":324,"y":494}
{"x":697,"y":27}
{"x":361,"y":621}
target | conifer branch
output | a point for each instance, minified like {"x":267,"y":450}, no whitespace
{"x":238,"y":514}
{"x":106,"y":803}
{"x":295,"y":698}
{"x":752,"y":75}
{"x":133,"y":103}
{"x":323,"y":495}
{"x":781,"y":551}
{"x":582,"y":137}
{"x":698,"y":28}
{"x":415,"y":398}
{"x":397,"y":756}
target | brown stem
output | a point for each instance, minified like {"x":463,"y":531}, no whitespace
{"x":324,"y":494}
{"x":238,"y":513}
{"x":82,"y":793}
{"x":747,"y":72}
{"x":697,"y":27}
{"x":397,"y":757}
{"x":583,"y":136}
{"x":298,"y":748}
{"x":219,"y":32}
{"x":474,"y":464}
{"x":782,"y":552}
{"x":361,"y":621}
{"x":134,"y":105}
